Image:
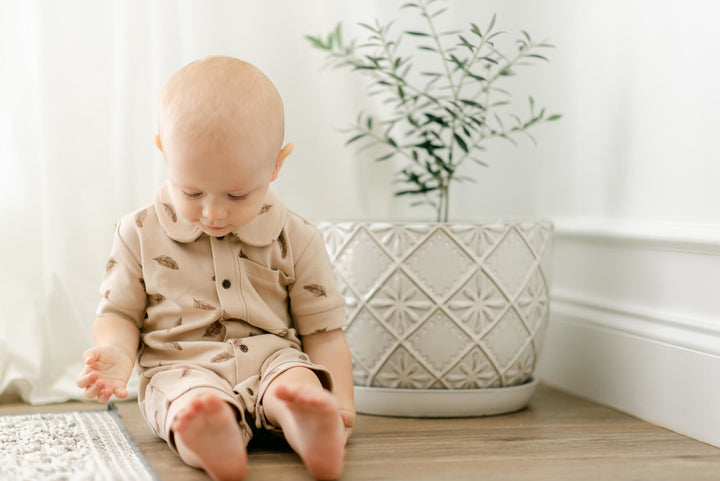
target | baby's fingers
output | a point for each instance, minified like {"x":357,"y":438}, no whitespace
{"x":90,"y":356}
{"x":86,"y":379}
{"x":94,"y":390}
{"x":120,"y":393}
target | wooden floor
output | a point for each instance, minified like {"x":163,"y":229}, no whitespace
{"x":558,"y":437}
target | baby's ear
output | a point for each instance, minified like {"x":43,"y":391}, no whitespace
{"x":158,"y":142}
{"x":284,"y":153}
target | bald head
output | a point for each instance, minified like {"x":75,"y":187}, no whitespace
{"x":217,"y":99}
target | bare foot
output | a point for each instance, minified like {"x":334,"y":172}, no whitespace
{"x":208,"y":436}
{"x":314,"y":429}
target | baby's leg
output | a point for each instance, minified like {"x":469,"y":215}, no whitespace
{"x":310,"y":420}
{"x":207,"y":436}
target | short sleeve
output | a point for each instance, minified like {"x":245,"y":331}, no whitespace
{"x":122,"y":289}
{"x":316,"y":304}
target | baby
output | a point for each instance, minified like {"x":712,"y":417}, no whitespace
{"x":224,"y":296}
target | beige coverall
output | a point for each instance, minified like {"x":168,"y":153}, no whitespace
{"x":221,"y":314}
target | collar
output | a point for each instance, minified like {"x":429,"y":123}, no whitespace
{"x":261,"y":231}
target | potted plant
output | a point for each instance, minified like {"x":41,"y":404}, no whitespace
{"x":445,"y":319}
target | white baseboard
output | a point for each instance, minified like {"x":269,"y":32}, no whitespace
{"x":634,"y":323}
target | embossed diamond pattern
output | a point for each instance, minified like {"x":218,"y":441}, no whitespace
{"x":403,"y":371}
{"x":361,"y":262}
{"x":335,"y":236}
{"x":400,"y":304}
{"x":520,"y":370}
{"x":464,"y":327}
{"x":370,"y":340}
{"x":533,"y":301}
{"x":399,"y":239}
{"x":510,"y":262}
{"x":478,"y":241}
{"x":439,"y":341}
{"x":478,"y":304}
{"x":506,"y":339}
{"x":439,"y":249}
{"x":474,"y":371}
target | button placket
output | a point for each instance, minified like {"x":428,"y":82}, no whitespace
{"x":227,"y":280}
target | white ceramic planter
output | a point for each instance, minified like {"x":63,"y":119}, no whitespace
{"x":444,"y":319}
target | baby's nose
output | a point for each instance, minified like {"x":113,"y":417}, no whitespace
{"x":214,"y":211}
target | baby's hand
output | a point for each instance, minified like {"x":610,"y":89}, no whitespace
{"x":106,"y":372}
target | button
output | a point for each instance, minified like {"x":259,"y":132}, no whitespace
{"x":226,"y":284}
{"x":243,"y":348}
{"x":221,"y":238}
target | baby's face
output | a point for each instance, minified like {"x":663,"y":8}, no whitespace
{"x":219,"y":187}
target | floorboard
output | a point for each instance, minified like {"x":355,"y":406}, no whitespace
{"x":558,"y":437}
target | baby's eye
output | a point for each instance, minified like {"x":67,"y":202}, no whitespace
{"x":192,"y":195}
{"x":237,"y":197}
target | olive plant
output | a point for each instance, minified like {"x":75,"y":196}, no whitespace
{"x":438,"y":118}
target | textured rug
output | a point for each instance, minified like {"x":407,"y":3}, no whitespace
{"x":85,"y":445}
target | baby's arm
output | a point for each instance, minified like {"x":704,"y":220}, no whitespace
{"x":109,"y":364}
{"x":330,"y":349}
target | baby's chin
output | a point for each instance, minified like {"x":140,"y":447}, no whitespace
{"x":216,"y":231}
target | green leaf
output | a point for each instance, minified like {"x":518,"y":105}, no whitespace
{"x":460,"y":63}
{"x":465,"y":43}
{"x":472,"y":103}
{"x":439,"y":12}
{"x":492,"y":23}
{"x":316,"y":42}
{"x":479,"y":78}
{"x":357,"y":137}
{"x":432,"y":118}
{"x":554,"y":117}
{"x":477,"y":121}
{"x":385,"y":157}
{"x":425,"y":47}
{"x":422,"y":190}
{"x":461,"y":142}
{"x":369,"y":27}
{"x":534,"y":55}
{"x":417,"y":34}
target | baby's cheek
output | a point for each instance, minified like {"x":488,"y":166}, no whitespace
{"x":187,"y":211}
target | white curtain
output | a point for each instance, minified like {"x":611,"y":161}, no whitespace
{"x":74,"y":153}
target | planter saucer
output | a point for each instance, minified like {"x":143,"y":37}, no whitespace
{"x":443,"y":403}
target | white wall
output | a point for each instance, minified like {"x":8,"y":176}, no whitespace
{"x":629,"y":176}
